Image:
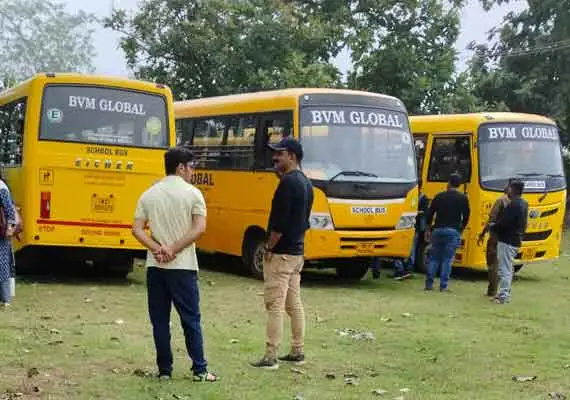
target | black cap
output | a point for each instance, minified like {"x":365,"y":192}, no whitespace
{"x":455,"y":180}
{"x":288,"y":144}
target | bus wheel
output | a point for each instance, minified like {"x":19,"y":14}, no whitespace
{"x":354,"y":270}
{"x":422,"y":257}
{"x":253,"y":253}
{"x":518,"y":267}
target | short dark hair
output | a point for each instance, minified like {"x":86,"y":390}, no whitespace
{"x":176,"y":156}
{"x":454,"y":180}
{"x":517,"y":186}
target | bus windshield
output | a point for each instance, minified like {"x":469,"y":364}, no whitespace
{"x":99,"y":115}
{"x":357,"y":144}
{"x":530,"y":152}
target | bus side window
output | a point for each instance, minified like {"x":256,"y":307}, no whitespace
{"x":12,"y":120}
{"x":207,"y":141}
{"x":184,"y":132}
{"x":240,"y":142}
{"x":450,"y":155}
{"x":420,"y":143}
{"x":274,"y":128}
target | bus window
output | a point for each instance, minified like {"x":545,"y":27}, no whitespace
{"x":450,"y":155}
{"x":240,"y":143}
{"x":102,"y":115}
{"x":420,"y":143}
{"x":207,"y":141}
{"x":12,"y":132}
{"x":184,"y":132}
{"x":275,"y":127}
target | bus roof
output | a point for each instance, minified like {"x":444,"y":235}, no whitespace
{"x":420,"y":123}
{"x":86,"y":79}
{"x":269,"y":95}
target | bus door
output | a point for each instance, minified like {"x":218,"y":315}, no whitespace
{"x":272,"y":127}
{"x":450,"y":154}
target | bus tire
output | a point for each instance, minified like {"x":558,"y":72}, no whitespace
{"x":252,"y":253}
{"x":518,"y":267}
{"x":353,"y":270}
{"x":422,"y":257}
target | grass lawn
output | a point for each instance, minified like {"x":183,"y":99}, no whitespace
{"x":72,"y":339}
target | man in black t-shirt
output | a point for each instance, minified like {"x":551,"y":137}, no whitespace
{"x":283,"y":259}
{"x":451,"y":211}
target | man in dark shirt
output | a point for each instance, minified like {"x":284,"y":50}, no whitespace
{"x":451,"y":210}
{"x":510,"y":228}
{"x":283,"y":259}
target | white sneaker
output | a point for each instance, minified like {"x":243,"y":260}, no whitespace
{"x":4,"y":306}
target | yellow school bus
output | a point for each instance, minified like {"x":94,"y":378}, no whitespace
{"x":77,"y":151}
{"x":358,"y":153}
{"x":487,"y":149}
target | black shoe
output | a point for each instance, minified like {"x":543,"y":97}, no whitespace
{"x":298,"y":359}
{"x":375,"y":274}
{"x":266,"y":363}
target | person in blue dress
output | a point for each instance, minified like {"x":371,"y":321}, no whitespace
{"x":7,"y":264}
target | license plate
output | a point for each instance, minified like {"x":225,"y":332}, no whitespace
{"x":104,"y":205}
{"x":365,"y":248}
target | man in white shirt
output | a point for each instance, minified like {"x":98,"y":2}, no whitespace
{"x":175,"y":212}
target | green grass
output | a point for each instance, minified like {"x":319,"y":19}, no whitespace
{"x":453,"y":346}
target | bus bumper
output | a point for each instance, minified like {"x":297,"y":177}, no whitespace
{"x":321,"y":244}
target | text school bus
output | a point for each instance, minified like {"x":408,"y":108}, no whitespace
{"x":358,"y":153}
{"x":487,"y":149}
{"x":77,"y":151}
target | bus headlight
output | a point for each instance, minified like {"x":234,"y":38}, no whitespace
{"x":407,"y":221}
{"x":322,"y":221}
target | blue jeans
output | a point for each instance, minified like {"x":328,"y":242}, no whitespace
{"x":505,"y":256}
{"x":401,"y":265}
{"x":180,"y":287}
{"x":444,"y":243}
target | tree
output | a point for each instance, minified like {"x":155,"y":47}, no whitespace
{"x":215,"y":47}
{"x":527,"y":65}
{"x":39,"y":35}
{"x":406,"y":49}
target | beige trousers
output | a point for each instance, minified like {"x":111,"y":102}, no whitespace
{"x":282,"y":292}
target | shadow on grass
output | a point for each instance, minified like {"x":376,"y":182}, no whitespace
{"x":233,"y":266}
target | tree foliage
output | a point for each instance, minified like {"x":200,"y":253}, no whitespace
{"x":39,"y":35}
{"x":527,"y":65}
{"x":406,"y":48}
{"x":207,"y":48}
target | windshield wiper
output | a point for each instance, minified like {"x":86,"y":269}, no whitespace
{"x":530,"y":174}
{"x":537,"y":174}
{"x":353,"y":173}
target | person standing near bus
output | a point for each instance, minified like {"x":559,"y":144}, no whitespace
{"x":451,"y":211}
{"x":284,"y":250}
{"x":6,"y":253}
{"x":176,"y":214}
{"x":491,"y":253}
{"x":403,"y":268}
{"x":510,"y":228}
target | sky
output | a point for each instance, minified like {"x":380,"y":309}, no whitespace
{"x":475,"y":23}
